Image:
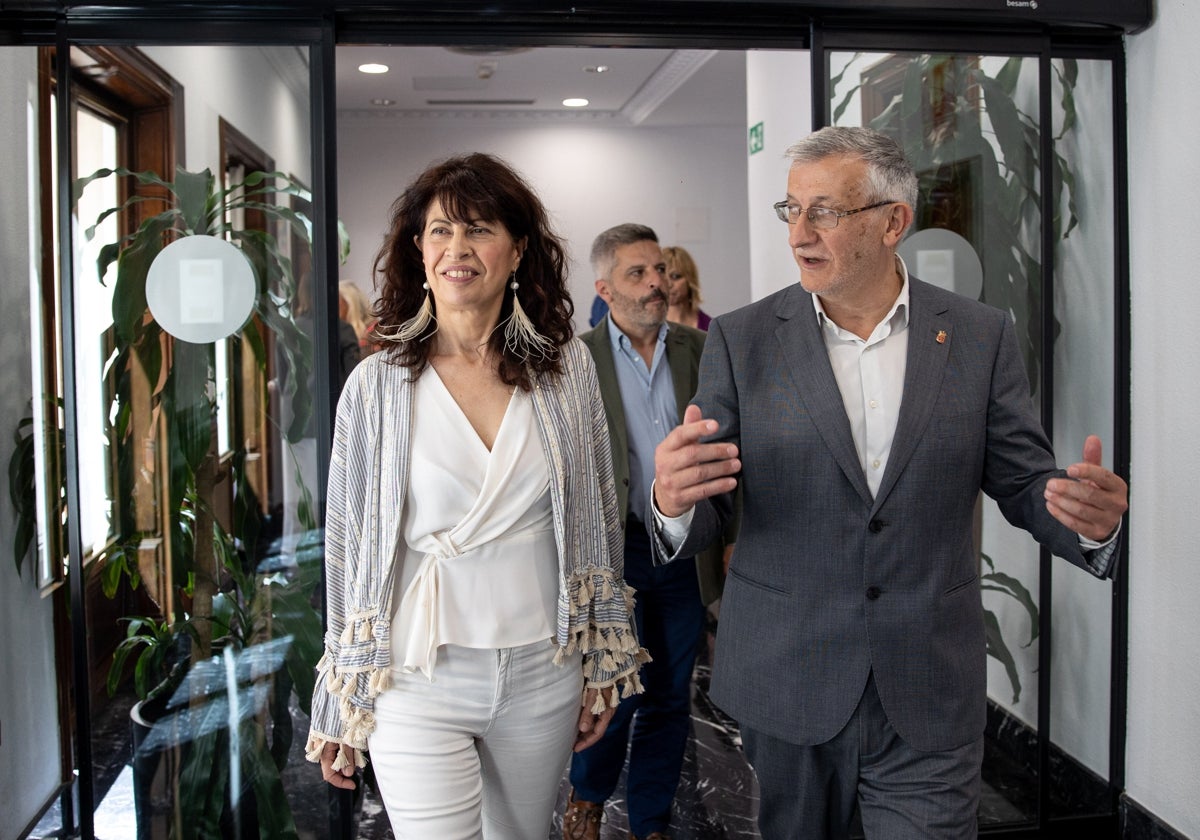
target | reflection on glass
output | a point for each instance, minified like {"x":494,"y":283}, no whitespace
{"x":969,"y":124}
{"x":1084,"y":373}
{"x":215,"y":597}
{"x":97,"y":147}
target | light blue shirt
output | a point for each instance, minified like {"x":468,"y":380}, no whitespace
{"x":648,"y":399}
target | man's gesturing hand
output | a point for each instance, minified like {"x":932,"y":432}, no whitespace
{"x":686,"y":470}
{"x":1092,"y":501}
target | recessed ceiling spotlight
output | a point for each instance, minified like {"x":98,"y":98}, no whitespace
{"x":372,"y":68}
{"x":575,"y":102}
{"x":383,"y":103}
{"x":597,"y":68}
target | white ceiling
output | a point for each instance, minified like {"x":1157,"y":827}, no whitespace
{"x":652,"y":87}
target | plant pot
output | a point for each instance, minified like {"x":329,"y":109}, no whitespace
{"x":160,"y":747}
{"x":153,"y":770}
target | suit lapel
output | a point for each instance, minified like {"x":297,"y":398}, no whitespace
{"x":929,"y":338}
{"x":799,"y":334}
{"x":600,"y":344}
{"x":683,"y":369}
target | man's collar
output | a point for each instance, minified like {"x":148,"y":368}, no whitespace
{"x":899,"y":305}
{"x":620,"y":339}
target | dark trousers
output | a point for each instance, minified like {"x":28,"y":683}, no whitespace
{"x":654,"y":725}
{"x":809,"y":792}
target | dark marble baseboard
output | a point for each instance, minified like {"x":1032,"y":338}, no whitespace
{"x":1011,"y":764}
{"x":1139,"y":824}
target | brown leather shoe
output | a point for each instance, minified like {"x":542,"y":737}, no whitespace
{"x":581,"y":820}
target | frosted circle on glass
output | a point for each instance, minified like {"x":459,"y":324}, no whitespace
{"x":200,"y":289}
{"x":943,"y":258}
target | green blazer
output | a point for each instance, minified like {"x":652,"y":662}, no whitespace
{"x":684,"y":346}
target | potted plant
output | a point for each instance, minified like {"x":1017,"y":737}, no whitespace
{"x":236,"y":635}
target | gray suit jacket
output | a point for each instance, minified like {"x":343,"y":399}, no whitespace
{"x":684,"y":347}
{"x":827,"y":583}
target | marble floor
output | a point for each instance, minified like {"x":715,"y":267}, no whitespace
{"x":716,"y":799}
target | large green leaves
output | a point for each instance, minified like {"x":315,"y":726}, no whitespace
{"x":22,"y":489}
{"x":23,"y":484}
{"x":954,"y":112}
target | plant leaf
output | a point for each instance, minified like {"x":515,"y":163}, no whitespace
{"x":133,"y":264}
{"x":1000,"y":582}
{"x":192,"y":191}
{"x":274,"y":814}
{"x":997,"y":648}
{"x":192,"y":420}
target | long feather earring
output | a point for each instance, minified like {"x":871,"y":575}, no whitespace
{"x":520,"y":335}
{"x":415,"y":326}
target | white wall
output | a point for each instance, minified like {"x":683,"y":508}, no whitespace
{"x":778,"y":95}
{"x":29,"y":727}
{"x":1163,"y":766}
{"x":243,"y":85}
{"x":590,"y":176}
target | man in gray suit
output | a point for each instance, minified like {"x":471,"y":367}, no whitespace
{"x":861,"y":412}
{"x":647,"y":370}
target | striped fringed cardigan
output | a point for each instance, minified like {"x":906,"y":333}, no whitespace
{"x":368,"y":480}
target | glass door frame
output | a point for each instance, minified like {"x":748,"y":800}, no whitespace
{"x":320,"y":25}
{"x":143,"y":28}
{"x":1044,"y":48}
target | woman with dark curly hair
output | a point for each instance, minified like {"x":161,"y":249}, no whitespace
{"x":479,"y":625}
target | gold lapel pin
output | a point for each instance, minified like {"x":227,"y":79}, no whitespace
{"x":941,"y":337}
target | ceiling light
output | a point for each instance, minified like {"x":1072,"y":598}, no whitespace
{"x":575,"y":102}
{"x":383,"y":103}
{"x":372,"y":68}
{"x":598,"y":68}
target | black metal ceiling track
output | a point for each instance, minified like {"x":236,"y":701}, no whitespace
{"x":696,"y":23}
{"x":843,"y":34}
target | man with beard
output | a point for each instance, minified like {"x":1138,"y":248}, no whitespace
{"x":647,"y":370}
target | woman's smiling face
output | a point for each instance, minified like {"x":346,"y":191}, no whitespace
{"x":467,"y":264}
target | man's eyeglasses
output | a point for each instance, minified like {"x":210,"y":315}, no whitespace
{"x":823,"y":218}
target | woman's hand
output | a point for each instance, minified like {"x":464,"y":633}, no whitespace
{"x":343,"y":778}
{"x":591,"y":726}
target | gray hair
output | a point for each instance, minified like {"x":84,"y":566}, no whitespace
{"x":890,"y":176}
{"x":604,"y":246}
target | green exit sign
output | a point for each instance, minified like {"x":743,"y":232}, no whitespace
{"x":756,"y":138}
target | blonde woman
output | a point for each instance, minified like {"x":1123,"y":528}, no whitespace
{"x":683,"y":289}
{"x":355,"y":310}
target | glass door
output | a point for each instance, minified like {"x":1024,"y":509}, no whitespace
{"x":192,"y":393}
{"x":1014,"y":155}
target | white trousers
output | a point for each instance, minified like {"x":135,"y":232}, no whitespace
{"x":478,"y":752}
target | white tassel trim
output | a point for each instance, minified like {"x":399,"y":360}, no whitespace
{"x":316,"y":746}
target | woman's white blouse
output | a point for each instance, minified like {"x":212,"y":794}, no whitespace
{"x":480,"y":565}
